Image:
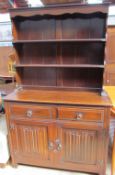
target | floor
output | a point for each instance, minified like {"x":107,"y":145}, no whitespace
{"x":29,"y":170}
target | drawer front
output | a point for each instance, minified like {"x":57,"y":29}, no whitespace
{"x":33,"y":111}
{"x":81,"y":114}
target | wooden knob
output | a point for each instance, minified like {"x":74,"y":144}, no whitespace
{"x":58,"y":143}
{"x":79,"y":115}
{"x":29,"y":113}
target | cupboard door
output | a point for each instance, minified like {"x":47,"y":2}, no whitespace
{"x":80,"y":145}
{"x":31,"y":142}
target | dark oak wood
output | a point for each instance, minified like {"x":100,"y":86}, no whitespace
{"x":58,"y":116}
{"x":60,"y":139}
{"x":31,"y":111}
{"x":60,"y":28}
{"x":59,"y":40}
{"x":60,"y":77}
{"x":60,"y":53}
{"x":81,"y":114}
{"x":60,"y":97}
{"x":60,"y":9}
{"x":60,"y":65}
{"x":64,"y":31}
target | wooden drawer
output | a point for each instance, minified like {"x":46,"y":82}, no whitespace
{"x":81,"y":114}
{"x":33,"y":111}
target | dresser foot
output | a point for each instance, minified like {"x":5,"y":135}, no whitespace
{"x":14,"y":165}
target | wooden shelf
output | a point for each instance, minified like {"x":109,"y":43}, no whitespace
{"x":59,"y":97}
{"x":64,"y":51}
{"x":60,"y":87}
{"x":60,"y":40}
{"x":60,"y":65}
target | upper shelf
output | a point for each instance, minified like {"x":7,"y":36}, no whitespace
{"x":60,"y":65}
{"x":59,"y":10}
{"x":60,"y":40}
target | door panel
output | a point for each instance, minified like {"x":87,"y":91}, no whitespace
{"x":31,"y":140}
{"x":79,"y":145}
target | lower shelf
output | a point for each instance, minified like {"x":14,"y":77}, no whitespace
{"x":61,"y":77}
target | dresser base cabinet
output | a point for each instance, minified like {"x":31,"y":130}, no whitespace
{"x":69,"y":137}
{"x":58,"y":116}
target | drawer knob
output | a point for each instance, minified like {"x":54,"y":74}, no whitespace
{"x":79,"y":115}
{"x":29,"y":113}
